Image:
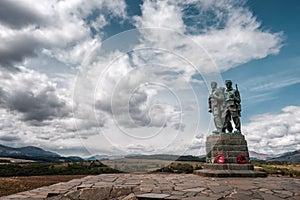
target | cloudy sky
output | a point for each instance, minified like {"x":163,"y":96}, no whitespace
{"x":124,"y":77}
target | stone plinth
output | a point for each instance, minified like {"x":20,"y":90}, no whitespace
{"x":228,"y":166}
{"x":229,"y":147}
{"x":229,"y":173}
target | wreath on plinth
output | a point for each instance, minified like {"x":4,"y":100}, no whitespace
{"x":242,"y":159}
{"x":220,"y":159}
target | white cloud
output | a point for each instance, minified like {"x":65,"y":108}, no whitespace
{"x":162,"y":14}
{"x":274,"y":133}
{"x":238,"y":41}
{"x":50,"y":135}
{"x":36,"y":111}
{"x":138,"y":148}
{"x":281,"y":81}
{"x":54,"y":26}
{"x":125,"y":93}
{"x":99,"y":23}
{"x":33,"y":95}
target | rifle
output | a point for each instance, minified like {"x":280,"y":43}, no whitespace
{"x":237,"y":92}
{"x":238,"y":104}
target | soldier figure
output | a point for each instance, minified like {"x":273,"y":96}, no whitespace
{"x":216,"y":102}
{"x":232,"y":108}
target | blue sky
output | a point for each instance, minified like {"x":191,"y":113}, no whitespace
{"x":284,"y":17}
{"x":119,"y":77}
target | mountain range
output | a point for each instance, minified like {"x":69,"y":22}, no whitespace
{"x":39,"y":154}
{"x":293,"y":156}
{"x":259,"y":156}
{"x":34,"y":153}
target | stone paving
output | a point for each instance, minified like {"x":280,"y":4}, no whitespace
{"x":135,"y":186}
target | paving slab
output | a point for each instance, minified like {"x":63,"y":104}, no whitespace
{"x":152,"y":196}
{"x":137,"y":186}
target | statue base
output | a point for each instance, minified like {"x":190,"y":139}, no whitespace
{"x":227,"y":156}
{"x":228,"y":166}
{"x":229,"y":173}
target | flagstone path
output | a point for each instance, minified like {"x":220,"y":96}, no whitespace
{"x":135,"y":186}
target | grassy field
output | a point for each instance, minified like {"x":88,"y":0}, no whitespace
{"x":5,"y":160}
{"x":135,"y":165}
{"x":62,"y":168}
{"x":23,"y":176}
{"x":289,"y":167}
{"x":144,"y":165}
{"x":286,"y":169}
{"x":14,"y":185}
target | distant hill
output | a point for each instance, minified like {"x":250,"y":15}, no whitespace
{"x":39,"y":154}
{"x":259,"y":156}
{"x":293,"y":156}
{"x":29,"y":151}
{"x":103,"y":157}
{"x":34,"y":153}
{"x":168,"y":157}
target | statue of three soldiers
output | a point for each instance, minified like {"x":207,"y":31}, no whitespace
{"x":224,"y":104}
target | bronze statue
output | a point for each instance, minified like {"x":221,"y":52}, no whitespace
{"x":232,"y":108}
{"x":216,"y":103}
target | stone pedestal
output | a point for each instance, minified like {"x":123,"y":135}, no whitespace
{"x":230,"y":147}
